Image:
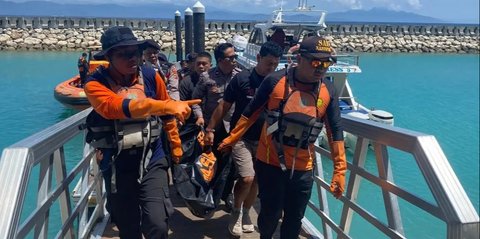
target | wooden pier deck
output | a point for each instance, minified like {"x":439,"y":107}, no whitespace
{"x":184,"y":225}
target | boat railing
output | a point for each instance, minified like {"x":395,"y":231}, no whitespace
{"x":350,"y":102}
{"x":36,"y":168}
{"x":342,"y":59}
{"x":40,"y":160}
{"x":452,"y":205}
{"x":348,"y":59}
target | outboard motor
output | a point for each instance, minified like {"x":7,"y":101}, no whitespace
{"x":381,"y":116}
{"x":239,"y":42}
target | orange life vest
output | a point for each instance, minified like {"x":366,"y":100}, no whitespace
{"x":296,"y":122}
{"x":126,"y":133}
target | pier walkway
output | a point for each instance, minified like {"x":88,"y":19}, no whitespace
{"x":184,"y":224}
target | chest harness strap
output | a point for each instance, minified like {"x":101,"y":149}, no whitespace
{"x":127,"y":133}
{"x":296,"y":123}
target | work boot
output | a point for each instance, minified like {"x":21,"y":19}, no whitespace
{"x":235,"y":224}
{"x":247,"y":224}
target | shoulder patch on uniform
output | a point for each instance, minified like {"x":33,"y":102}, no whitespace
{"x":319,"y":102}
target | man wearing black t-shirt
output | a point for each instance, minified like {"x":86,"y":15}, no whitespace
{"x":241,"y":91}
{"x":202,"y":63}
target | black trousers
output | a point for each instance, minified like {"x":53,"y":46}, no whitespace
{"x":138,"y":207}
{"x":220,"y":134}
{"x":83,"y":77}
{"x":279,"y":193}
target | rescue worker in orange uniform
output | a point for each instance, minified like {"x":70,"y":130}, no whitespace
{"x":131,"y":104}
{"x":298,"y":102}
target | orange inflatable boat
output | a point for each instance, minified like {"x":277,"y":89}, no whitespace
{"x":71,"y":95}
{"x":69,"y":92}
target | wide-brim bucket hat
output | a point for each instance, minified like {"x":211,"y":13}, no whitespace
{"x":120,"y":36}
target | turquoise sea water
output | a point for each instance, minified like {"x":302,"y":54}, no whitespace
{"x":433,"y":94}
{"x":437,"y":94}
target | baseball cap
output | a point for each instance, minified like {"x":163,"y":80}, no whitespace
{"x":317,"y":47}
{"x":162,"y":57}
{"x":191,"y":57}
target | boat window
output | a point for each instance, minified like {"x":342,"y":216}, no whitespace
{"x":253,"y":36}
{"x":250,"y":40}
{"x":306,"y":33}
{"x":256,"y":37}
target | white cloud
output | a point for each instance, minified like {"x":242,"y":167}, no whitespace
{"x":394,"y":6}
{"x":349,"y":4}
{"x":397,"y":5}
{"x":232,"y":5}
{"x":415,"y":4}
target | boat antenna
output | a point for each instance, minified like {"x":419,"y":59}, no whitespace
{"x":302,"y":4}
{"x":278,"y":18}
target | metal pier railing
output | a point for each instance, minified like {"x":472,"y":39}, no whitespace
{"x":452,"y":203}
{"x":41,"y":160}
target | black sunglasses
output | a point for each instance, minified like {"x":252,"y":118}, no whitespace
{"x":231,"y":58}
{"x":318,"y":63}
{"x":127,"y":55}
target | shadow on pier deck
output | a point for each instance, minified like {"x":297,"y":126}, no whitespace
{"x":184,"y":224}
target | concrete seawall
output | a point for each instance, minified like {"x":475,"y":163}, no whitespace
{"x":75,"y":34}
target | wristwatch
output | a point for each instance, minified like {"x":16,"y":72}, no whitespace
{"x":210,"y":130}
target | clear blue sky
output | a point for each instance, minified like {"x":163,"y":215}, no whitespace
{"x":448,"y":10}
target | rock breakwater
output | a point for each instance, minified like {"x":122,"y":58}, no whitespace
{"x":81,"y":39}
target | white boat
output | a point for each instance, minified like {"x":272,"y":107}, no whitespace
{"x":294,"y":32}
{"x":240,"y":43}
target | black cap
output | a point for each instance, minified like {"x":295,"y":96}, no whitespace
{"x":115,"y":37}
{"x":191,"y":57}
{"x":150,"y":43}
{"x":316,"y":46}
{"x":162,"y":57}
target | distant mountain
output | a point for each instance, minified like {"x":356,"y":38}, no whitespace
{"x":41,"y":8}
{"x":166,"y":11}
{"x":160,"y":10}
{"x":380,"y":15}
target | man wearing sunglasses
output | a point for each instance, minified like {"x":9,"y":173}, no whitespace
{"x":211,"y":88}
{"x":212,"y":84}
{"x":298,"y":103}
{"x":124,"y":127}
{"x":240,"y":92}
